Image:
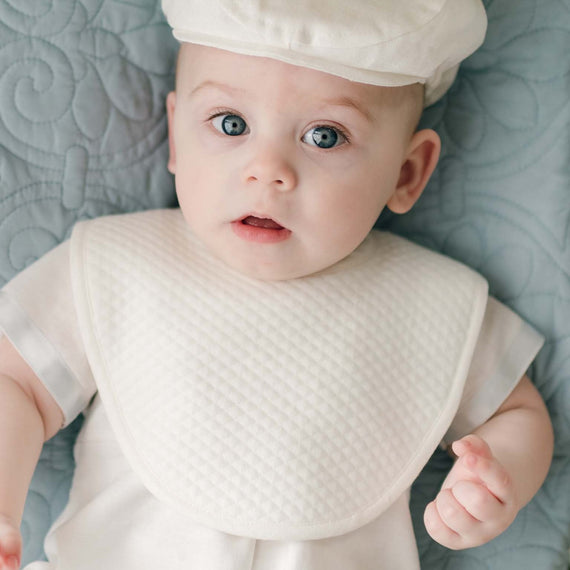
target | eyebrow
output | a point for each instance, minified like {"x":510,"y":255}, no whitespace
{"x":209,"y":84}
{"x":351,"y":103}
{"x":344,"y":101}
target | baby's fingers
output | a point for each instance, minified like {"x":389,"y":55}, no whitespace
{"x":472,"y":444}
{"x":465,"y":516}
{"x":9,"y":563}
{"x":478,"y":502}
{"x":10,"y":545}
{"x":492,"y":475}
{"x":453,"y":514}
{"x":444,"y":518}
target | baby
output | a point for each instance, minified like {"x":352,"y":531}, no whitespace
{"x":264,"y":375}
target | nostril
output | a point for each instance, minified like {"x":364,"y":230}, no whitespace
{"x":276,"y":182}
{"x":273,"y":178}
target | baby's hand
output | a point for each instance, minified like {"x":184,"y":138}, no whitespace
{"x":10,"y":545}
{"x":477,"y":500}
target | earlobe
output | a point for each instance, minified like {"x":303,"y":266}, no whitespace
{"x":419,"y":164}
{"x":170,"y":105}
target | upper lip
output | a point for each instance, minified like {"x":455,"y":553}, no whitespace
{"x":260,"y":216}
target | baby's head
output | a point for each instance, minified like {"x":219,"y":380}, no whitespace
{"x":283,"y":162}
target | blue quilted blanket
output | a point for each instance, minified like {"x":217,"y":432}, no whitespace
{"x":83,"y":133}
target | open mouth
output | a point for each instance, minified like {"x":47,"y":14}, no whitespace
{"x":260,"y":229}
{"x":265,"y":223}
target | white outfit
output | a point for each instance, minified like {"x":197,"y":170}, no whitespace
{"x":112,"y":520}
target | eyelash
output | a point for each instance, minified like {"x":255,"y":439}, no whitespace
{"x":336,"y":128}
{"x":222,"y":111}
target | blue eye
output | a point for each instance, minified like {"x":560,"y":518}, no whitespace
{"x":324,"y":137}
{"x":231,"y":125}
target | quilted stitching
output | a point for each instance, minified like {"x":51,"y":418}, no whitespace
{"x":499,"y":199}
{"x":238,"y":442}
{"x":82,"y":134}
{"x":501,"y":202}
{"x":82,"y":126}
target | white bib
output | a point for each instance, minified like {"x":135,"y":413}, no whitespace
{"x":276,"y":410}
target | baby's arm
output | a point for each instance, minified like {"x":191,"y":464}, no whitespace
{"x":498,"y":470}
{"x":28,"y":416}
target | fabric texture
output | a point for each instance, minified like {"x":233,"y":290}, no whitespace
{"x":111,"y":521}
{"x":387,"y":42}
{"x":107,"y":488}
{"x":504,"y":339}
{"x":254,"y":377}
{"x":498,"y":200}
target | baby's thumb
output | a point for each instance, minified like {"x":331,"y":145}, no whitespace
{"x":471,"y":444}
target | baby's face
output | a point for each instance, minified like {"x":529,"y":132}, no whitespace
{"x":281,"y":171}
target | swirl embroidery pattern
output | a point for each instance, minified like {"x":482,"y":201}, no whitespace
{"x":500,"y":202}
{"x":83,"y":133}
{"x":82,"y":124}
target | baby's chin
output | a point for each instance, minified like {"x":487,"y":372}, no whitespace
{"x":280,"y":272}
{"x":283,"y":261}
{"x":271,"y":274}
{"x":254,"y":267}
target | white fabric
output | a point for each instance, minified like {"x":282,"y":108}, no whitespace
{"x":111,"y":519}
{"x":512,"y":340}
{"x":490,"y":379}
{"x":62,"y":367}
{"x":283,"y":410}
{"x":380,"y":42}
{"x":502,"y":333}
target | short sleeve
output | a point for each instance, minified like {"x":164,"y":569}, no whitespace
{"x":37,"y":314}
{"x":506,"y":347}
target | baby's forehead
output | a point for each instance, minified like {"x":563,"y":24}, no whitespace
{"x":199,"y":64}
{"x":248,"y":78}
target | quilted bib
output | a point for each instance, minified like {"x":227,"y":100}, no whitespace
{"x":275,"y":410}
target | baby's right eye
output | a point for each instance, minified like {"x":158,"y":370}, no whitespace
{"x":231,"y":125}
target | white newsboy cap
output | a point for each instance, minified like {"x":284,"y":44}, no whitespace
{"x":379,"y":42}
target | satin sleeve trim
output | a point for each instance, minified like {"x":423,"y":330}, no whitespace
{"x":43,"y":358}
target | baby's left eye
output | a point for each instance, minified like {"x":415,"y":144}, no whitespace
{"x":324,"y":137}
{"x":231,"y":125}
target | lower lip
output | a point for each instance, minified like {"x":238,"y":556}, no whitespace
{"x":260,"y":235}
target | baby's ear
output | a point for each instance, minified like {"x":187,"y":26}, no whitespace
{"x":419,"y":164}
{"x":170,"y":104}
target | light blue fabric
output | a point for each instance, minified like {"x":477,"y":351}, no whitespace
{"x":83,"y":133}
{"x":500,"y":201}
{"x":82,"y":122}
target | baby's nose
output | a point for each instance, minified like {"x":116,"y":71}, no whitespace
{"x":271,"y":168}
